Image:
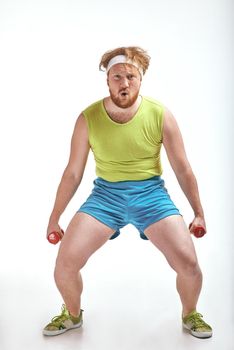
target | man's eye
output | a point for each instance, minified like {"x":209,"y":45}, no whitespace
{"x":117,"y":77}
{"x":130,"y":76}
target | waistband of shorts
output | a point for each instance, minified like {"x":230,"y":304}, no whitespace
{"x":120,"y":184}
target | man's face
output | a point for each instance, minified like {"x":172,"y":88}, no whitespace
{"x":124,"y":81}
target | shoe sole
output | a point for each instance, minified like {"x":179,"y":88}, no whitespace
{"x":202,"y":335}
{"x":61,"y":331}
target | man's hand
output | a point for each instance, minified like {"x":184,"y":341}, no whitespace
{"x":198,"y":227}
{"x":54,"y":227}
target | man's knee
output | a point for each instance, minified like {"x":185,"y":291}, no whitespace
{"x":190,"y":267}
{"x":68,"y":266}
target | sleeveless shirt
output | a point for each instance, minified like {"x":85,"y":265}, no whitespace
{"x":128,"y":151}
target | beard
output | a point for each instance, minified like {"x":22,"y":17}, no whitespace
{"x":124,"y":101}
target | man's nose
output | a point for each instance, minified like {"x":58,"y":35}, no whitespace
{"x":124,"y":82}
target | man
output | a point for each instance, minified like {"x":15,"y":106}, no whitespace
{"x":125,"y":131}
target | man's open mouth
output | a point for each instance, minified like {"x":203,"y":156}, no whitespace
{"x":123,"y":93}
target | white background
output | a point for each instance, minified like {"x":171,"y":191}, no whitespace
{"x":49,"y":56}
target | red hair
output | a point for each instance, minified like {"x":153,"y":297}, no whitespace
{"x":133,"y":53}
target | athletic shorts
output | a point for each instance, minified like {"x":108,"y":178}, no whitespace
{"x":140,"y":203}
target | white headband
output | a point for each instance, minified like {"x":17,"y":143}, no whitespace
{"x":123,"y":59}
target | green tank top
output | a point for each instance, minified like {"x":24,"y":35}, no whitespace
{"x":129,"y":151}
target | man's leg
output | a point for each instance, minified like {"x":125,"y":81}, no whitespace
{"x":173,"y":239}
{"x":83,"y":237}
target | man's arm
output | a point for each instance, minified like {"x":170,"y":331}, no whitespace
{"x":73,"y":172}
{"x":174,"y":146}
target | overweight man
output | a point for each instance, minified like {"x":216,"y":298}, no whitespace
{"x":126,"y":131}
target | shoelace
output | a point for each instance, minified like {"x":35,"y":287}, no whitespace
{"x":56,"y":321}
{"x":197,"y":321}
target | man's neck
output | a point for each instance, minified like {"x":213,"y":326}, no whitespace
{"x":118,"y":114}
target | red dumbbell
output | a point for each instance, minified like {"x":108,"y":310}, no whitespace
{"x":198,"y":231}
{"x":54,"y":237}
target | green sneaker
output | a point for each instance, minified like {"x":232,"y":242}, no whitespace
{"x":197,"y":327}
{"x":62,"y":323}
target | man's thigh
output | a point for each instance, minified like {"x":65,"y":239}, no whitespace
{"x":172,"y":237}
{"x":84,"y":235}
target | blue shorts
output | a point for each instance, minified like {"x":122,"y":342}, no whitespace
{"x":139,"y":203}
